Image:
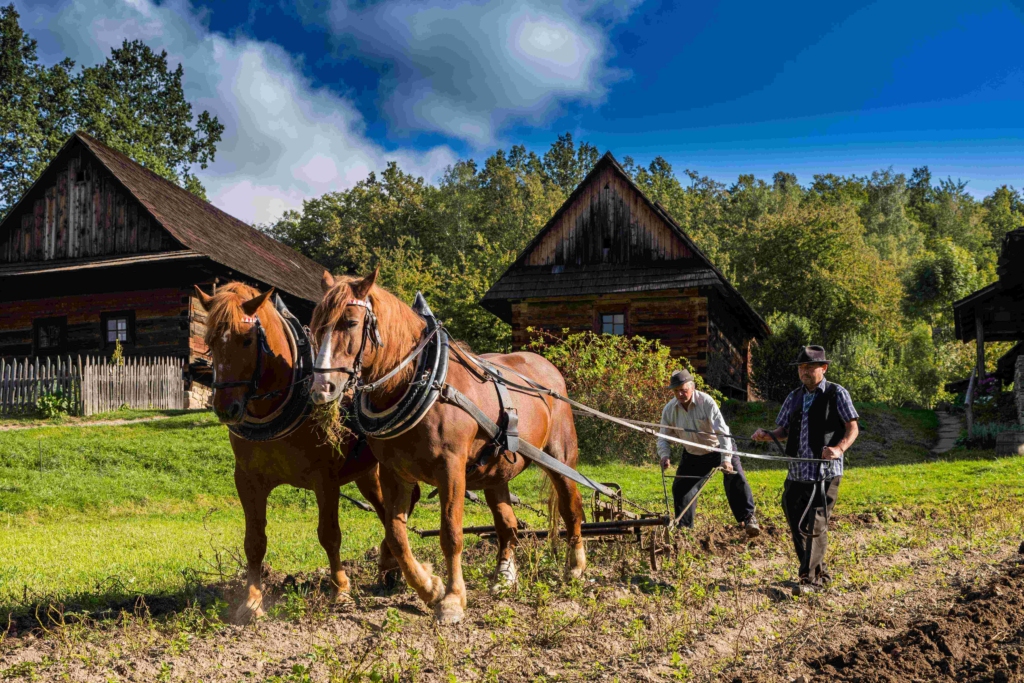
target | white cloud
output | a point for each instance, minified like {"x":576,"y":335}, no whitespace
{"x":285,"y":140}
{"x":467,"y":68}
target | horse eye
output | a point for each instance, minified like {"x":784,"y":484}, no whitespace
{"x":247,"y":342}
{"x":349,"y":324}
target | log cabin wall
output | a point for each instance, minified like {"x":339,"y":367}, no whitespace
{"x":161,"y":323}
{"x":610,"y":222}
{"x":78,"y":210}
{"x":678,"y":319}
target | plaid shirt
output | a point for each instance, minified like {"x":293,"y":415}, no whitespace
{"x":820,"y":468}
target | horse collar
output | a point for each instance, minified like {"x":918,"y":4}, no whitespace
{"x":296,"y":407}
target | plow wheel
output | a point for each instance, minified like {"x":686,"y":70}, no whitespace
{"x":658,"y":546}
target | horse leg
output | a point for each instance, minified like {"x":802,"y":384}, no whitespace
{"x":253,"y":495}
{"x":452,"y":495}
{"x":329,"y":532}
{"x":570,"y":506}
{"x":388,"y":571}
{"x":500,"y":502}
{"x":398,"y":499}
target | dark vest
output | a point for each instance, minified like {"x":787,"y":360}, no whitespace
{"x":822,"y":418}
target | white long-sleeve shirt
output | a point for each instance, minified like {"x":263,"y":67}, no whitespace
{"x":703,"y":415}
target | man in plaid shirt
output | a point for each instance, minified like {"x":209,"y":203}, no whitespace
{"x":819,"y":423}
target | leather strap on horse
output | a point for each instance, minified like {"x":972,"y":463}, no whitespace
{"x":450,"y":394}
{"x":509,"y":438}
{"x":296,"y":408}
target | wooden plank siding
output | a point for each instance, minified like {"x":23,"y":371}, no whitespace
{"x":162,"y":322}
{"x":679,"y":319}
{"x":607,"y":223}
{"x":80,"y":211}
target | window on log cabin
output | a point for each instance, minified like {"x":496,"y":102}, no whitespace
{"x":50,"y":335}
{"x":118,"y":327}
{"x":613,"y":323}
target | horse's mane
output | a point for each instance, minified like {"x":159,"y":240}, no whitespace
{"x":399,"y":326}
{"x":224,"y":312}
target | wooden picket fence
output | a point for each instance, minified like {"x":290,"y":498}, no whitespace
{"x":92,"y":385}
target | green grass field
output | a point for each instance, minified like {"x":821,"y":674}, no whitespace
{"x":94,"y":515}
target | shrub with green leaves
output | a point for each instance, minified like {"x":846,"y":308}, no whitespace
{"x":55,"y":405}
{"x":621,"y":376}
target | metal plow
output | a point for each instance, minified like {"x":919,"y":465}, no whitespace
{"x":610,"y":522}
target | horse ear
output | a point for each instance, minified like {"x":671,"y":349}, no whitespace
{"x":204,"y":298}
{"x":327,"y":281}
{"x":362,"y":288}
{"x":252,"y":305}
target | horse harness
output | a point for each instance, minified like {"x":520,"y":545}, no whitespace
{"x":296,"y":408}
{"x":428,"y":385}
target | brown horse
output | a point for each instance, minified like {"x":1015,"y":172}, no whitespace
{"x":445,"y":447}
{"x":254,"y":360}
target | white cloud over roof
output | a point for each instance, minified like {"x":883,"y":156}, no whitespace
{"x":284,"y":141}
{"x":468,"y":68}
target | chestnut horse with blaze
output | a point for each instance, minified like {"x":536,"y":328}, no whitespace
{"x":254,"y":363}
{"x":445,"y":447}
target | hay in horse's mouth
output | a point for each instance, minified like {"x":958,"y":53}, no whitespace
{"x":330,"y":418}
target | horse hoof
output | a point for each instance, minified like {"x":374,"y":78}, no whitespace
{"x":248,"y":613}
{"x":576,"y":562}
{"x":391,"y":579}
{"x":448,"y":612}
{"x":342,"y":598}
{"x":507,"y":576}
{"x":436,"y":590}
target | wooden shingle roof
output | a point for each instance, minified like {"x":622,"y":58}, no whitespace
{"x":205,"y":229}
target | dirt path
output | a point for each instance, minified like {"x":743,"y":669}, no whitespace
{"x":94,"y":423}
{"x":949,"y":432}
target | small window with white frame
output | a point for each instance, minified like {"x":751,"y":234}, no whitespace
{"x":118,"y":327}
{"x":613,"y":323}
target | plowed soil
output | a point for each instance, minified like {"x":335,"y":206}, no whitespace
{"x":980,"y":639}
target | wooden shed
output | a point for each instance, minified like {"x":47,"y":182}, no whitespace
{"x":996,"y":312}
{"x":611,"y":260}
{"x":101,"y":250}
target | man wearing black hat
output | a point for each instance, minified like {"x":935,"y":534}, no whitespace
{"x":694,"y":416}
{"x":819,"y":422}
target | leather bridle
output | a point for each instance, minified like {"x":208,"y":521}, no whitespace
{"x":371,"y":334}
{"x":253,"y":383}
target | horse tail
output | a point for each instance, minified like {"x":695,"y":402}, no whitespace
{"x":551,"y":494}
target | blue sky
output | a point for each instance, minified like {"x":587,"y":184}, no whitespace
{"x":317,"y":93}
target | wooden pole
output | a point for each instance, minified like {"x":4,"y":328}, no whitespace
{"x":979,"y":329}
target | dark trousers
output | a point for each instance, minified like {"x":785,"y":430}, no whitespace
{"x":737,"y":490}
{"x":810,"y":544}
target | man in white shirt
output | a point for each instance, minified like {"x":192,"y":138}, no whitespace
{"x":694,"y":416}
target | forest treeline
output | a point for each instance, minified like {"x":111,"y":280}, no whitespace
{"x":868,"y":266}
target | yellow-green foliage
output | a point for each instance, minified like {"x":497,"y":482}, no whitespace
{"x":621,"y":376}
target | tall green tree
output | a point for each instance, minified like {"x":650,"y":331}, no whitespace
{"x":133,"y":102}
{"x":36,"y":109}
{"x":136,"y":104}
{"x":565,"y":164}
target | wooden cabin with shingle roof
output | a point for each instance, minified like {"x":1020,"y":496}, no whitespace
{"x":610,"y":260}
{"x":100,"y":250}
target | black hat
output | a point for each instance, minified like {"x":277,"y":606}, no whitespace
{"x":811,"y":354}
{"x":679,"y":378}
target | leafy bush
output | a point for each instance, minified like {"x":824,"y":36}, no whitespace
{"x":54,"y":406}
{"x":771,"y":373}
{"x":985,"y":434}
{"x":622,"y":376}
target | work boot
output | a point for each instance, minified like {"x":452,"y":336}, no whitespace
{"x":807,"y":588}
{"x":751,"y":526}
